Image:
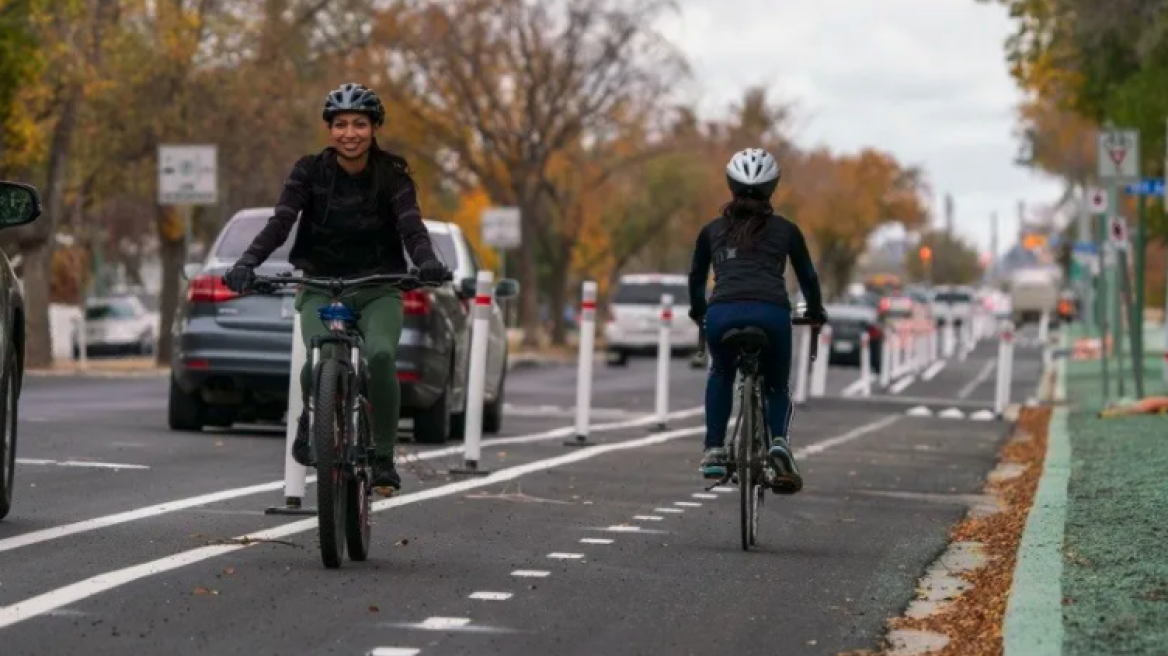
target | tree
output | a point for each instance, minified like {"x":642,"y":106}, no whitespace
{"x":506,"y":86}
{"x":950,"y":260}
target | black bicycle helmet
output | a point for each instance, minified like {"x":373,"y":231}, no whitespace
{"x":352,"y":97}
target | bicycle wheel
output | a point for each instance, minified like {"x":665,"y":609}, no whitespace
{"x":360,"y":487}
{"x":744,"y":448}
{"x":758,"y":444}
{"x":328,"y":436}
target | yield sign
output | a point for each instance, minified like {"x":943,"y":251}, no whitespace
{"x":1119,"y":154}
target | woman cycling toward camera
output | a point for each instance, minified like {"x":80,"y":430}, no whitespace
{"x":358,"y":215}
{"x":749,"y":247}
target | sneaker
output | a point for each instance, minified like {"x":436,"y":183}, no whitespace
{"x":786,"y":479}
{"x":385,"y":477}
{"x":301,"y":451}
{"x":713,"y":463}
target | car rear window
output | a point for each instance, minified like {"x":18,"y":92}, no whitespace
{"x":649,"y":293}
{"x":444,"y":244}
{"x":953,"y":297}
{"x":109,"y":311}
{"x":239,"y":233}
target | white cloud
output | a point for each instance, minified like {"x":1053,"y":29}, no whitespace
{"x":923,"y":79}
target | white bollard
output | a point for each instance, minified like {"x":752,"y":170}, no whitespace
{"x":886,"y":359}
{"x":664,"y":356}
{"x":865,"y":364}
{"x":295,"y":474}
{"x":584,"y":365}
{"x":476,"y":386}
{"x":963,"y":342}
{"x":819,"y":375}
{"x":1044,"y":328}
{"x":934,"y":351}
{"x":802,"y":367}
{"x":894,"y":351}
{"x":950,"y":338}
{"x":1005,"y":367}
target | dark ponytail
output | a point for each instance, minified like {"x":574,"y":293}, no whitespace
{"x":747,"y":219}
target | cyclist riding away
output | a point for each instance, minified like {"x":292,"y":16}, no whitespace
{"x":749,"y":247}
{"x":358,"y":215}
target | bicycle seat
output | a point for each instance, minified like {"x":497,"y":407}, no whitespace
{"x":746,"y":338}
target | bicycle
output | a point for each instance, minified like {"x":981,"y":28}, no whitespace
{"x":750,"y":343}
{"x":339,"y":422}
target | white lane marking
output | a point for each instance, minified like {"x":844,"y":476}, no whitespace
{"x":86,"y":525}
{"x":622,"y":529}
{"x":668,"y":510}
{"x":981,"y":377}
{"x":394,"y":651}
{"x":439,"y":623}
{"x":724,"y":490}
{"x":853,"y":389}
{"x":565,"y":556}
{"x":85,"y":589}
{"x":933,"y":370}
{"x":704,"y":495}
{"x":648,"y":518}
{"x":530,"y":573}
{"x":491,"y":596}
{"x":596,"y":540}
{"x":79,"y":463}
{"x":899,"y":385}
{"x":687,"y":504}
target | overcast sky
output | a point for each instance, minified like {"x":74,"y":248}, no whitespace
{"x":923,"y":79}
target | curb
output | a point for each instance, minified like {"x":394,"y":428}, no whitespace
{"x":1033,"y":624}
{"x":96,"y":373}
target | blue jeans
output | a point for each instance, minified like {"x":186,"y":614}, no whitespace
{"x":775,"y":320}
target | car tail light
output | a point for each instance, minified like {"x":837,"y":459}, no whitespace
{"x":409,"y":376}
{"x":885,"y":304}
{"x":209,"y":288}
{"x":416,"y":302}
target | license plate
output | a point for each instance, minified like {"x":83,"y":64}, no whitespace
{"x":288,"y":307}
{"x":844,"y":347}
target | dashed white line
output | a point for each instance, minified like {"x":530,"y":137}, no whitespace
{"x":981,"y":377}
{"x":565,"y":556}
{"x":440,"y":623}
{"x":901,"y":384}
{"x":724,"y":490}
{"x":530,"y":573}
{"x":688,"y":504}
{"x":394,"y":651}
{"x":491,"y":596}
{"x":668,"y":510}
{"x":596,"y":540}
{"x":853,"y":389}
{"x":933,"y":370}
{"x":79,"y":463}
{"x":704,"y":495}
{"x":648,"y":518}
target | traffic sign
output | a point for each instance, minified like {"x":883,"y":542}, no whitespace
{"x":502,"y":227}
{"x":1117,"y":232}
{"x":1097,"y":200}
{"x":1119,"y":155}
{"x":188,"y":174}
{"x":1146,"y":187}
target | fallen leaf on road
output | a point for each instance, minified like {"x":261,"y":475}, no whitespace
{"x":229,"y":571}
{"x":374,"y":609}
{"x":205,"y":591}
{"x":403,"y":542}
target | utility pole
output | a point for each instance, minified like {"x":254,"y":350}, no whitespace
{"x":949,"y":215}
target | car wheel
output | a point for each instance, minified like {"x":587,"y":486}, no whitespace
{"x":8,"y":413}
{"x":618,"y":358}
{"x":432,"y":425}
{"x":493,"y":411}
{"x":185,"y":410}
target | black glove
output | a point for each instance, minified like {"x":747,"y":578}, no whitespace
{"x":817,"y":315}
{"x":432,"y":271}
{"x":240,"y":278}
{"x":698,"y":315}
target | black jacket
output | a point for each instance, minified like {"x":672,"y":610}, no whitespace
{"x":308,"y":192}
{"x":754,"y":272}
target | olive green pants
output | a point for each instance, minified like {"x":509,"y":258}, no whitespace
{"x":380,"y":324}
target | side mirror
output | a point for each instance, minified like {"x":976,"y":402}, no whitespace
{"x":468,"y":288}
{"x":19,"y":204}
{"x":507,"y":288}
{"x":190,"y":270}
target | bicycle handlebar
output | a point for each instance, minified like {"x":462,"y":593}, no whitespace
{"x":404,"y":281}
{"x":816,"y":328}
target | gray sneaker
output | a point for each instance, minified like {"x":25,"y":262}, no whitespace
{"x":786,"y":479}
{"x":713,"y":463}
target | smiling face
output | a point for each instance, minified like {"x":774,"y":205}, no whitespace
{"x":352,"y":135}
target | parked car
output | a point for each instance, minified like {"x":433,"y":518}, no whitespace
{"x":952,"y":304}
{"x":19,"y":204}
{"x":634,"y":321}
{"x":232,"y":355}
{"x":115,"y":326}
{"x":848,"y":325}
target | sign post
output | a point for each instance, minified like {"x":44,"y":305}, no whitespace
{"x":502,"y":229}
{"x":1118,"y":156}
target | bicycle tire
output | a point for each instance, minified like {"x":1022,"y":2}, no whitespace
{"x":358,"y":505}
{"x":744,"y":447}
{"x":329,"y":441}
{"x":758,"y":446}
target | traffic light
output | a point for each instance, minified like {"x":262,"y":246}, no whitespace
{"x":926,"y":253}
{"x":1033,"y":241}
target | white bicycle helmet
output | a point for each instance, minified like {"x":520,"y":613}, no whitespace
{"x":753,"y":172}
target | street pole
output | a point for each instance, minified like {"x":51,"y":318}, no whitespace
{"x":1137,"y":319}
{"x":1101,"y":299}
{"x":1086,"y":276}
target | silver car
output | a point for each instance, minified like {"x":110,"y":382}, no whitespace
{"x":232,"y":354}
{"x":116,"y":325}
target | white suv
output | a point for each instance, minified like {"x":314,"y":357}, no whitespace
{"x":633,"y":326}
{"x":952,"y":304}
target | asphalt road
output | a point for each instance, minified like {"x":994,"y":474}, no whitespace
{"x":124,"y":536}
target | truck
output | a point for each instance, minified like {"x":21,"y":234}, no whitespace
{"x":1034,"y":291}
